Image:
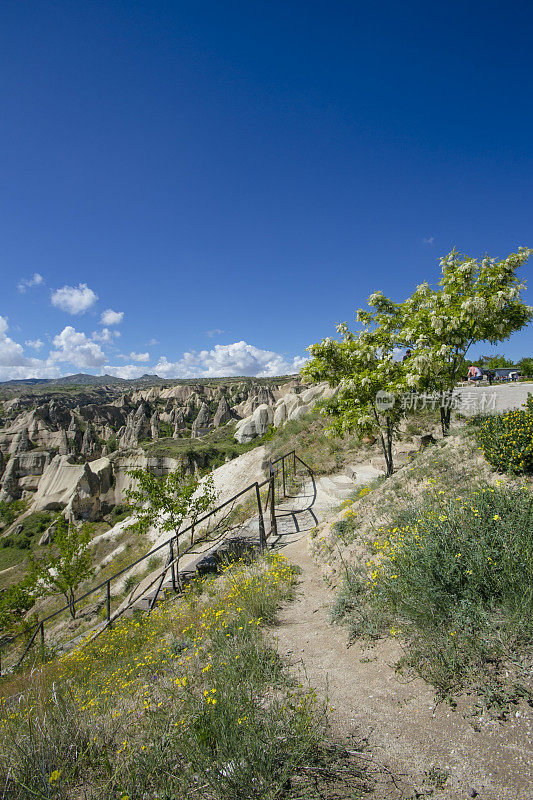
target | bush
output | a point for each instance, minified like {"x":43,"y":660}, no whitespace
{"x":456,"y":579}
{"x":32,"y":527}
{"x":10,"y":511}
{"x":507,"y":440}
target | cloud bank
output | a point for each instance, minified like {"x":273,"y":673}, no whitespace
{"x":222,"y":361}
{"x":73,"y":350}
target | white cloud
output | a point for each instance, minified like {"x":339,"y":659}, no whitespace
{"x":105,"y":335}
{"x":110,"y":317}
{"x":29,"y":283}
{"x":35,"y":343}
{"x":11,"y":353}
{"x":74,"y":299}
{"x":13,"y":363}
{"x":140,"y":356}
{"x":128,"y":371}
{"x":74,"y":347}
{"x":214,"y":332}
{"x":229,"y":360}
{"x":428,"y":240}
{"x":153,"y":342}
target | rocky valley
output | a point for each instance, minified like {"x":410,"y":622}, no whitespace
{"x":69,"y":449}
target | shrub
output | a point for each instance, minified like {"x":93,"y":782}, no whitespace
{"x":456,"y":579}
{"x":10,"y":511}
{"x":507,"y":440}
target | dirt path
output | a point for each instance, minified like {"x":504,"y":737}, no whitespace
{"x":404,"y":730}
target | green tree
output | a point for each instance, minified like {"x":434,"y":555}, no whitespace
{"x":168,"y":501}
{"x":366,"y":373}
{"x":526,"y":366}
{"x":69,"y":563}
{"x":494,"y":361}
{"x":15,"y":601}
{"x":474,"y":302}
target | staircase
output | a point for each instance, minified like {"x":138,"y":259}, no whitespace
{"x":295,"y":503}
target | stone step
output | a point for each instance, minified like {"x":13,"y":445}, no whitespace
{"x":335,"y":488}
{"x":363,"y":474}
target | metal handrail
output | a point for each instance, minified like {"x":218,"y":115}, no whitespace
{"x":34,"y":629}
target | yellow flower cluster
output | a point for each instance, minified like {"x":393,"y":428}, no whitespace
{"x":124,"y":670}
{"x":507,"y":440}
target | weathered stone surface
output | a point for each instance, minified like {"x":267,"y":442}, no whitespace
{"x":74,"y":434}
{"x":20,"y":443}
{"x":202,"y":424}
{"x":223,"y":413}
{"x":78,"y":490}
{"x":245,"y":430}
{"x":48,"y":535}
{"x":154,"y":425}
{"x":137,"y":428}
{"x":85,"y":502}
{"x":10,"y":488}
{"x":280,"y":415}
{"x":300,"y":411}
{"x":29,"y":482}
{"x":255,"y":425}
{"x":90,"y":445}
{"x":64,"y":447}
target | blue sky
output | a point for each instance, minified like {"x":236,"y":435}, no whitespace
{"x":207,"y":188}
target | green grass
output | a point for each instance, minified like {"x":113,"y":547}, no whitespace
{"x":10,"y":511}
{"x":15,"y":547}
{"x":207,"y":454}
{"x":307,"y":435}
{"x":189,"y":702}
{"x":454,"y":579}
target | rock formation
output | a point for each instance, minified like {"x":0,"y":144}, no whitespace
{"x":202,"y":424}
{"x":47,"y":437}
{"x":223,"y":413}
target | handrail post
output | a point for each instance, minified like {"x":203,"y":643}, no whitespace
{"x":172,"y":567}
{"x":283,"y":476}
{"x":294,"y":468}
{"x":108,"y":601}
{"x":273,"y":523}
{"x":262,"y":536}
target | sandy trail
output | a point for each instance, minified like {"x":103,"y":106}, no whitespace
{"x":406,"y":733}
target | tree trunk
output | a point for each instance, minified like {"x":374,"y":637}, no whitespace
{"x":387,"y":453}
{"x":445,"y":415}
{"x":386,"y":445}
{"x":71,"y":603}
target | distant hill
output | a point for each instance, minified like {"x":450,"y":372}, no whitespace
{"x":82,"y":379}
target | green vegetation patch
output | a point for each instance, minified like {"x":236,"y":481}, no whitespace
{"x":507,"y":440}
{"x":189,"y":702}
{"x":454,"y":579}
{"x":10,"y":511}
{"x":209,"y":452}
{"x":16,"y":547}
{"x":307,"y":435}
